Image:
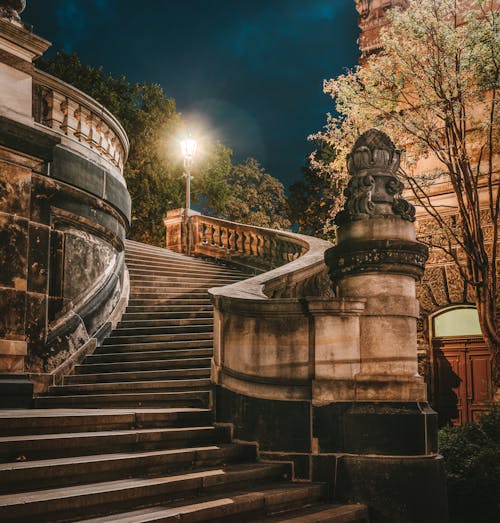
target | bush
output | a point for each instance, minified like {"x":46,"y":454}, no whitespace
{"x":472,"y":455}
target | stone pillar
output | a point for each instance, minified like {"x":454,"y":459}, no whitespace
{"x":385,"y":423}
{"x":178,"y":233}
{"x":18,"y":48}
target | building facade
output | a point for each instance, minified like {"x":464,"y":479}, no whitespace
{"x":453,"y":354}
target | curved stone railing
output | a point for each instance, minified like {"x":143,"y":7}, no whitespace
{"x":90,"y":126}
{"x":264,"y":336}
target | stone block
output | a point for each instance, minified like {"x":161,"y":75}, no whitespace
{"x":38,"y":258}
{"x":276,"y":425}
{"x":12,"y":314}
{"x":13,"y":252}
{"x":36,"y":314}
{"x":15,"y":184}
{"x":397,"y":489}
{"x":382,"y":428}
{"x":12,"y":354}
{"x":117,"y":195}
{"x":77,"y":171}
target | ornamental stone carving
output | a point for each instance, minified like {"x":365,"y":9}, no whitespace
{"x":11,"y":8}
{"x":374,"y":189}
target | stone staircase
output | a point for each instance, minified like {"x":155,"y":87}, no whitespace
{"x":130,"y":436}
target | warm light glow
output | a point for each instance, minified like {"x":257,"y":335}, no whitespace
{"x":188,"y":148}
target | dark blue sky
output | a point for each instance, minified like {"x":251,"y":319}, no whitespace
{"x":252,"y":70}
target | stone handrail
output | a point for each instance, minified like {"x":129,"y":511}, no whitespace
{"x":292,"y":265}
{"x":74,"y":114}
{"x":264,"y":343}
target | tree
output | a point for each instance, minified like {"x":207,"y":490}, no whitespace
{"x":434,"y":88}
{"x":153,"y":173}
{"x":312,"y":199}
{"x":256,"y":198}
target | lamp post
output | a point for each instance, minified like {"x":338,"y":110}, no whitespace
{"x":188,"y":148}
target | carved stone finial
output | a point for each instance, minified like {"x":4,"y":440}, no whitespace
{"x":11,"y":8}
{"x":374,"y":188}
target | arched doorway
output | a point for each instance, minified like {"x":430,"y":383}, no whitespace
{"x":462,"y":385}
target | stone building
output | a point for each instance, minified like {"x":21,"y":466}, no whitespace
{"x":453,"y":354}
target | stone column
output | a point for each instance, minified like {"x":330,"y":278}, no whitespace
{"x":177,"y":230}
{"x":19,"y":259}
{"x":381,"y":418}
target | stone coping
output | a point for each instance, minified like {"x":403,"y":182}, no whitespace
{"x":311,"y":262}
{"x":53,"y":84}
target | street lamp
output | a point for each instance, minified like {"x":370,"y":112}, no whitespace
{"x":188,"y":148}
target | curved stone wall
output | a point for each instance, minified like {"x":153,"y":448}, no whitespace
{"x":64,"y":213}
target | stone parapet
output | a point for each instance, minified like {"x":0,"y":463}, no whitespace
{"x":84,"y":125}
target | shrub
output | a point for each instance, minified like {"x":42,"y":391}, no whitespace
{"x":472,"y":455}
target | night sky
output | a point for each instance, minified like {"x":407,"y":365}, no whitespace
{"x":251,"y":71}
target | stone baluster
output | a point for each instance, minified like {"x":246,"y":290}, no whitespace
{"x":70,"y":121}
{"x":214,"y":236}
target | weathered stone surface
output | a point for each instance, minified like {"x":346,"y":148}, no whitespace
{"x":38,"y":258}
{"x":86,"y":260}
{"x":13,"y":252}
{"x":15,"y":182}
{"x":12,"y":314}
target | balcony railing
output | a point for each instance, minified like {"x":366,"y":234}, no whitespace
{"x":72,"y":113}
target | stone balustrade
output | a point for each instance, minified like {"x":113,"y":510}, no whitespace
{"x":265,"y":345}
{"x":253,"y":247}
{"x":90,"y":126}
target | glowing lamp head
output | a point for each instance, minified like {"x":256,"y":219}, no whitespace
{"x":188,"y":148}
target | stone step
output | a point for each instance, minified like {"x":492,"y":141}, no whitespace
{"x":239,"y":505}
{"x":44,"y":446}
{"x":185,"y":280}
{"x":144,"y":356}
{"x":151,"y":256}
{"x":198,"y":334}
{"x":176,"y":270}
{"x":159,"y":345}
{"x":147,"y":365}
{"x":168,"y":291}
{"x":48,"y":421}
{"x":348,"y":513}
{"x":189,"y":398}
{"x":178,"y":301}
{"x":147,"y":259}
{"x":130,"y":386}
{"x":172,"y":315}
{"x":168,"y":308}
{"x":94,"y":497}
{"x":165,"y":296}
{"x":74,"y":470}
{"x":125,"y":323}
{"x":110,"y":377}
{"x":169,"y":328}
{"x":174,"y":282}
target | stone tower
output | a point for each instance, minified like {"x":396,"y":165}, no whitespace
{"x":372,"y":18}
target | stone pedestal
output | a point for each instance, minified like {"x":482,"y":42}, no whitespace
{"x":178,"y":233}
{"x":379,"y":424}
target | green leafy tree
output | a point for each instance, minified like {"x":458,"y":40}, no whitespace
{"x":256,"y":197}
{"x":312,"y":199}
{"x":154,"y":168}
{"x":210,"y":178}
{"x":152,"y":172}
{"x":472,"y":454}
{"x":434,"y":89}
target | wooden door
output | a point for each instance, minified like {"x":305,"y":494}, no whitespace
{"x":462,"y":379}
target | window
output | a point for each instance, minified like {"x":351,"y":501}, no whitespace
{"x":461,"y":321}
